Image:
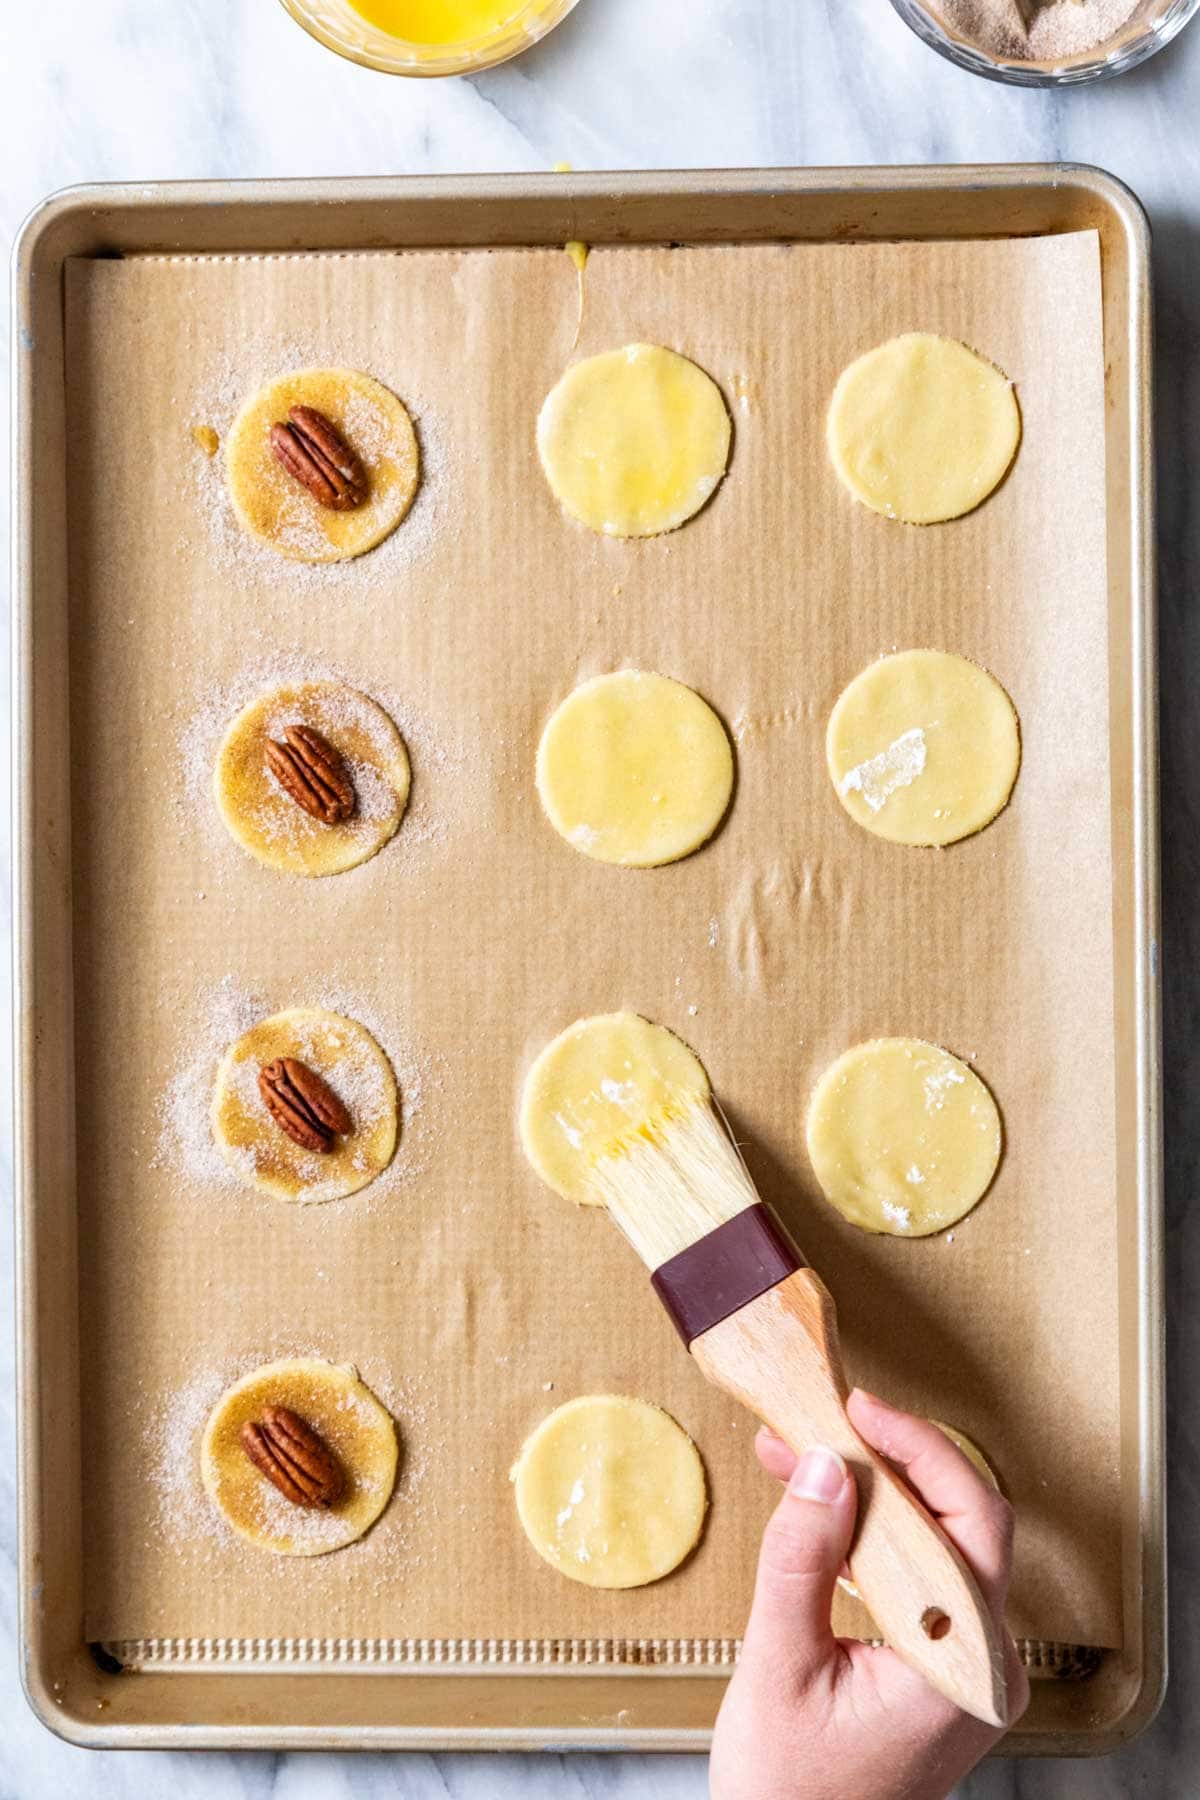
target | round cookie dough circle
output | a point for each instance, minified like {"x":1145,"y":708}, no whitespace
{"x":276,"y":508}
{"x":922,"y":429}
{"x":341,"y":1409}
{"x":359,"y":1073}
{"x":634,"y":769}
{"x":923,"y":748}
{"x":903,"y":1137}
{"x":634,"y":441}
{"x":267,"y":822}
{"x":610,"y":1491}
{"x":971,"y":1451}
{"x":595,"y":1085}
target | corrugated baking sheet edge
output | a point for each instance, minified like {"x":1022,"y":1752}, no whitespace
{"x":392,"y":1655}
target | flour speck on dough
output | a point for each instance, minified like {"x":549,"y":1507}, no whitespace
{"x":571,"y":1132}
{"x":881,"y":776}
{"x":938,"y":1084}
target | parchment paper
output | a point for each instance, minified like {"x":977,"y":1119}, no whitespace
{"x":471,"y":1298}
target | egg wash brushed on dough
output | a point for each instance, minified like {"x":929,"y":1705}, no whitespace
{"x":596,"y":1085}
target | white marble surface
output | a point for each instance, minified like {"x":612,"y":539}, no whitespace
{"x":133,"y":89}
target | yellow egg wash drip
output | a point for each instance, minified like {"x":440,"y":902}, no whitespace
{"x":578,"y":253}
{"x":438,"y":21}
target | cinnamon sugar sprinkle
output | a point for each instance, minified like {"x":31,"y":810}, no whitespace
{"x":215,"y":1020}
{"x":1037,"y":31}
{"x":193,"y":1528}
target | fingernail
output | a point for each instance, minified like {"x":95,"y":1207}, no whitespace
{"x":818,"y":1475}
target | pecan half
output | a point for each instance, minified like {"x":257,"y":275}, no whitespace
{"x":294,"y":1457}
{"x":313,"y":450}
{"x":303,"y":1104}
{"x":307,"y":767}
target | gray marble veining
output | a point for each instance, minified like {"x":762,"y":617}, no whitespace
{"x":130,"y":89}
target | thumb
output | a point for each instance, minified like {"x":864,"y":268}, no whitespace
{"x":803,"y":1548}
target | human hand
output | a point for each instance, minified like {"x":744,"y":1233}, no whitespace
{"x":809,"y":1716}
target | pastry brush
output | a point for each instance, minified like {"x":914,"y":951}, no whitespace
{"x":762,"y":1325}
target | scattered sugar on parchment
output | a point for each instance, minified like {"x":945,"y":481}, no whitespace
{"x":881,"y":776}
{"x":185,"y":1515}
{"x":216,"y":1018}
{"x":447,"y":772}
{"x":196,"y":1532}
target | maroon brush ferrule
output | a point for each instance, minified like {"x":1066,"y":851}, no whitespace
{"x":723,"y":1271}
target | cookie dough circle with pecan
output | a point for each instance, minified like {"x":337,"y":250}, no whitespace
{"x":262,"y":815}
{"x":357,"y":1071}
{"x":331,"y":1400}
{"x":278,"y":509}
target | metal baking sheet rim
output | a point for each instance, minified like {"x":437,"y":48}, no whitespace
{"x":65,"y":1681}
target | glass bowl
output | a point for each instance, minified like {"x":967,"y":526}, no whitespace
{"x":1153,"y":25}
{"x":335,"y":24}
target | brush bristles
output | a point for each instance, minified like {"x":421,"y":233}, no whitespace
{"x":670,"y":1186}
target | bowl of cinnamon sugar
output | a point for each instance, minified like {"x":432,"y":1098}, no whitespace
{"x":1047,"y":43}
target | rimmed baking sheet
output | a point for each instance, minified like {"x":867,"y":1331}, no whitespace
{"x":471,"y":1298}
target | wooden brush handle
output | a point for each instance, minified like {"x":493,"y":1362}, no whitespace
{"x":779,"y":1355}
